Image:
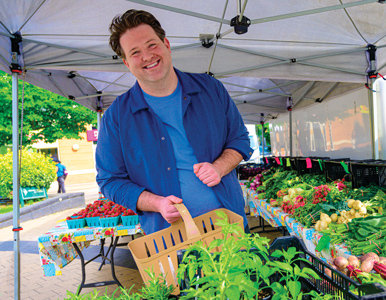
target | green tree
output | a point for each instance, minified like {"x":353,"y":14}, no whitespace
{"x":47,"y":116}
{"x":267,"y":134}
{"x":37,"y":170}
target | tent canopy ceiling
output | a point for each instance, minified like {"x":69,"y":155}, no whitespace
{"x":307,"y":50}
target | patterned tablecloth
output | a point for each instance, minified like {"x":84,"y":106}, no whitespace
{"x":276,"y":217}
{"x":56,"y":249}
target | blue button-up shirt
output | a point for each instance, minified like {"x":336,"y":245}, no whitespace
{"x":134,"y":152}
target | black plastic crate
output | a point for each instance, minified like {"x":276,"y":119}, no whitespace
{"x":315,"y":166}
{"x":245,"y":171}
{"x":338,"y":284}
{"x":368,"y":172}
{"x":334,"y":170}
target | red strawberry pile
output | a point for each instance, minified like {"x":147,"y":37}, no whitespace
{"x":320,"y":193}
{"x":102,"y":209}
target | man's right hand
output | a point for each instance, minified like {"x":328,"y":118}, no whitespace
{"x":164,"y":205}
{"x":167,"y":209}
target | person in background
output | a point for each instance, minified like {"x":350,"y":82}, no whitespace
{"x":173,"y":137}
{"x":61,"y":174}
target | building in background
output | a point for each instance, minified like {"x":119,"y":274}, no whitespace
{"x":77,"y":155}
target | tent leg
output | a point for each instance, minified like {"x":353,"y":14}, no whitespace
{"x":290,"y":133}
{"x":16,"y":196}
{"x":373,"y":121}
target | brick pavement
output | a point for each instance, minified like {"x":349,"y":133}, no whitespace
{"x":34,"y":286}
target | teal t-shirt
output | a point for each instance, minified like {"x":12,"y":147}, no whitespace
{"x":197,"y":197}
{"x":61,"y":169}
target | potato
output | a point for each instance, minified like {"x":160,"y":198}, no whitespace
{"x":352,"y":212}
{"x":334,"y":217}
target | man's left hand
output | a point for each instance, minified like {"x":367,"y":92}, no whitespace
{"x":207,"y":173}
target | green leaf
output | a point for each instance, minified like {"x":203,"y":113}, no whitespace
{"x":282,"y":266}
{"x":216,"y":243}
{"x":277,"y":253}
{"x":233,"y":293}
{"x":294,"y":288}
{"x":309,"y":271}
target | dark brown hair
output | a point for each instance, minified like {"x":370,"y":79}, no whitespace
{"x":131,"y":19}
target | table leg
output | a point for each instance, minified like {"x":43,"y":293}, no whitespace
{"x":83,"y":266}
{"x":112,"y":261}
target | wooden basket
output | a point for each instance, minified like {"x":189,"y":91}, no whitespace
{"x":158,"y":251}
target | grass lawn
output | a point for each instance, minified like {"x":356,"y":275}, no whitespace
{"x":7,"y":207}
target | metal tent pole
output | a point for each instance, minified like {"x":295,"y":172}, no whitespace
{"x":262,"y":134}
{"x":373,"y":116}
{"x":16,"y":188}
{"x":99,"y":115}
{"x":16,"y":69}
{"x":372,"y":75}
{"x":289,"y":108}
{"x":290,"y":132}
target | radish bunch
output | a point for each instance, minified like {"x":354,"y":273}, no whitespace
{"x":257,"y":182}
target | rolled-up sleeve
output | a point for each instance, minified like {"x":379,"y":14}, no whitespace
{"x":112,"y":176}
{"x":237,"y":138}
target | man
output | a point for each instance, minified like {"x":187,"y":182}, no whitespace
{"x":173,"y":137}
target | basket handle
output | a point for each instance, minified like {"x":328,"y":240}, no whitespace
{"x":191,"y":227}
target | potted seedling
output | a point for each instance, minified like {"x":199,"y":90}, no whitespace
{"x":241,"y":267}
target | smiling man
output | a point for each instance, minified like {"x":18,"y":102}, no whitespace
{"x":173,"y":137}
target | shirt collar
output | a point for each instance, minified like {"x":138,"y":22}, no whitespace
{"x":138,"y":102}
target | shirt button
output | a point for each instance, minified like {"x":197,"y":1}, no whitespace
{"x":163,"y":138}
{"x":184,"y":98}
{"x":250,"y":153}
{"x":168,"y":168}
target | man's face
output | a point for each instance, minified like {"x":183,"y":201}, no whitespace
{"x":147,"y":56}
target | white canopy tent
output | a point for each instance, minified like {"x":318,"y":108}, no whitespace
{"x":304,"y":50}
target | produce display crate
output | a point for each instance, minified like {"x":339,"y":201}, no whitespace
{"x":93,"y":222}
{"x":368,"y":172}
{"x":76,"y":223}
{"x":244,"y":171}
{"x":317,"y":165}
{"x":110,"y":222}
{"x":333,"y":169}
{"x":293,"y":161}
{"x":130,"y":220}
{"x":338,"y":285}
{"x":158,"y":251}
{"x":271,"y":161}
